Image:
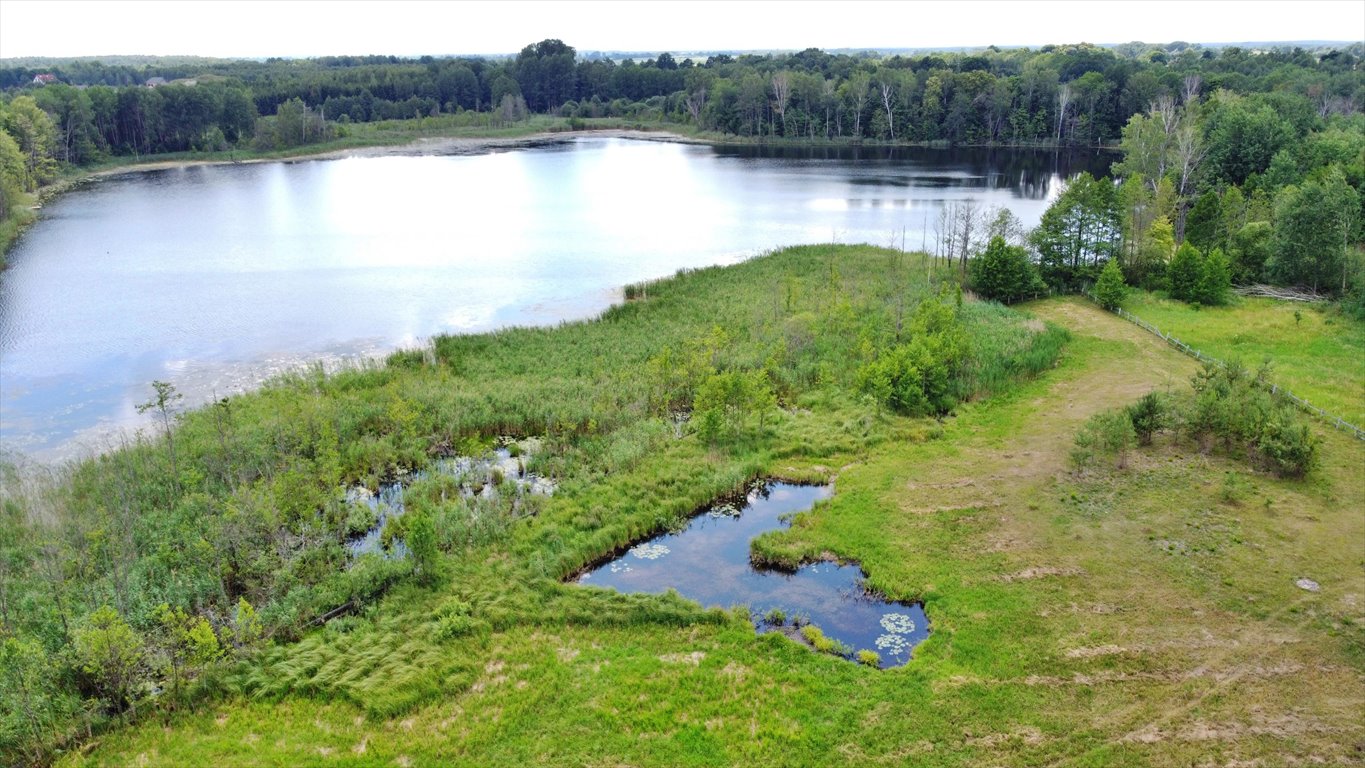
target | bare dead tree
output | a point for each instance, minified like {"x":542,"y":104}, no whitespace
{"x":694,"y":102}
{"x":888,"y":89}
{"x":967,"y":224}
{"x":1063,"y":101}
{"x":782,"y":93}
{"x":1189,"y":155}
{"x":1191,"y":94}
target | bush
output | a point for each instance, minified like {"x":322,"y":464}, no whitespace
{"x":1232,"y":404}
{"x":1148,"y":417}
{"x":1215,"y":281}
{"x":1184,"y":272}
{"x":1290,"y":449}
{"x":1110,"y":434}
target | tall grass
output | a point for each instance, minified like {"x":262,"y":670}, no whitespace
{"x":253,"y":506}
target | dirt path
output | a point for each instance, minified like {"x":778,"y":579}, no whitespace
{"x":1141,"y":645}
{"x":1038,"y":450}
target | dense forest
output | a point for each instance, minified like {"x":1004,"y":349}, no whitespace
{"x":1074,"y":94}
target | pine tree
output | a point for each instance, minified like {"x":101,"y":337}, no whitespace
{"x":1110,"y":289}
{"x":1215,"y":281}
{"x":1185,"y":270}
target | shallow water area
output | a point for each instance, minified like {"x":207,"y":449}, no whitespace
{"x":476,"y":476}
{"x":708,"y":561}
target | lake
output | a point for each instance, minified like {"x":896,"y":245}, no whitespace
{"x":215,"y":278}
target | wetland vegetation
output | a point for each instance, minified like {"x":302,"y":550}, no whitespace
{"x":1125,"y":557}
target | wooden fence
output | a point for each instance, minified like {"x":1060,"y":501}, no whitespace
{"x":1330,"y":418}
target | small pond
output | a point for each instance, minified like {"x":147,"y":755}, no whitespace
{"x":708,"y":561}
{"x":499,"y":476}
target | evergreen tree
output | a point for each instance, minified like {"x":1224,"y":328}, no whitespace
{"x":1184,"y":272}
{"x":1205,"y":227}
{"x":1005,"y":273}
{"x":1110,"y":289}
{"x":1215,"y":280}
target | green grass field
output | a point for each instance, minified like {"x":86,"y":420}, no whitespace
{"x":1319,"y":355}
{"x":1146,"y":616}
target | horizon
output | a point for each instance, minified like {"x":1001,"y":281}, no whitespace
{"x":296,"y":30}
{"x":683,"y":53}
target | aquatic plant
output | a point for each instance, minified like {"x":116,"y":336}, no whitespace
{"x":649,"y":551}
{"x":898,"y":623}
{"x":893,"y":644}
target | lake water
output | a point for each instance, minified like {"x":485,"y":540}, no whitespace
{"x":708,"y":561}
{"x":216,"y":278}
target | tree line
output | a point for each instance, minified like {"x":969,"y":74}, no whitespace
{"x":89,"y":111}
{"x":1211,"y":191}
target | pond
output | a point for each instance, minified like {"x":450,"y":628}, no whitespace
{"x":215,"y":278}
{"x":708,"y":561}
{"x":490,"y":486}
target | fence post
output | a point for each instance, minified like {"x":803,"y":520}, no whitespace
{"x":1340,"y":423}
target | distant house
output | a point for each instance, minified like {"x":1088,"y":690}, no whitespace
{"x":153,"y":82}
{"x":44,"y":79}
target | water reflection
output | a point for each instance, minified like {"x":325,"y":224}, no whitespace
{"x":708,"y":561}
{"x":214,"y":278}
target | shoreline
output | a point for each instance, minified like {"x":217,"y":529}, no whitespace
{"x":447,"y":146}
{"x":419,"y":147}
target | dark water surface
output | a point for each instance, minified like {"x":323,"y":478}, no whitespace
{"x":216,"y":278}
{"x":708,"y":561}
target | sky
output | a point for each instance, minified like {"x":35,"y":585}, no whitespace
{"x":256,"y":28}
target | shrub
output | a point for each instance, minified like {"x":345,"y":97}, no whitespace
{"x":1148,"y":416}
{"x":1291,"y":449}
{"x":869,"y":658}
{"x":1109,"y":433}
{"x":1215,"y":281}
{"x":1184,"y":271}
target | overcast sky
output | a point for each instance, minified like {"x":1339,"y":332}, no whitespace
{"x":286,"y":28}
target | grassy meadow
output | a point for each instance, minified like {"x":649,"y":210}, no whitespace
{"x":1104,"y":617}
{"x":1315,"y":351}
{"x":1142,"y":616}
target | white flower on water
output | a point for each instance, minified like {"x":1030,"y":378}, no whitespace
{"x":893,"y":644}
{"x":620,"y":567}
{"x":723,"y":510}
{"x":898,"y":623}
{"x":649,"y":551}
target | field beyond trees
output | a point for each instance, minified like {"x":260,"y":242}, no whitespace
{"x":1314,"y":350}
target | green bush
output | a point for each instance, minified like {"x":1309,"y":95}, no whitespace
{"x":1290,"y":449}
{"x":1148,"y":416}
{"x":1184,"y":272}
{"x":1215,"y":281}
{"x":1105,"y":434}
